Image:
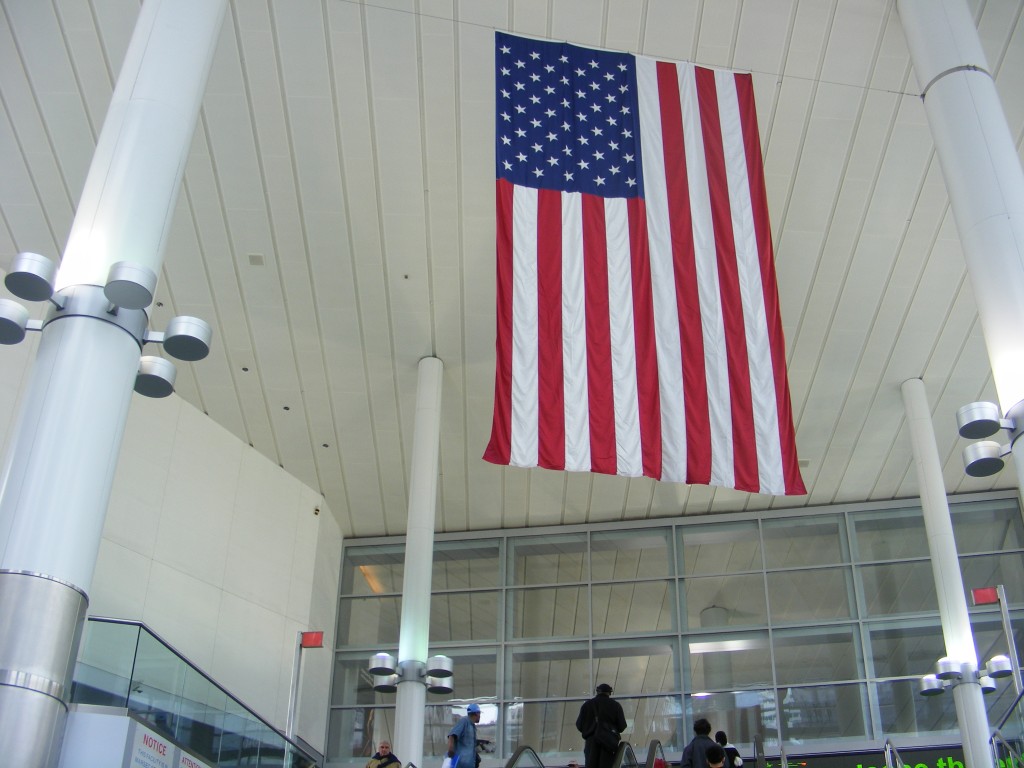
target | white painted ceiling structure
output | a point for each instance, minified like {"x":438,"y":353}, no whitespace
{"x":336,"y":224}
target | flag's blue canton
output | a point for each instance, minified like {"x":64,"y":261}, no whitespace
{"x":567,"y":118}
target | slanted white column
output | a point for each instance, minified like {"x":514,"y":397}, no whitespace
{"x":949,"y":587}
{"x":414,"y":633}
{"x":983,"y":177}
{"x":57,"y":475}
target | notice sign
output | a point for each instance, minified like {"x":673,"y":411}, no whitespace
{"x":146,"y":748}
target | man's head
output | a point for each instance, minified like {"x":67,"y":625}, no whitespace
{"x":715,"y":756}
{"x":721,"y":738}
{"x":702,"y":727}
{"x":605,"y":689}
{"x":384,"y":747}
{"x":473,"y":710}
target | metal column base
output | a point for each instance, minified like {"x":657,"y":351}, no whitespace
{"x":41,"y":622}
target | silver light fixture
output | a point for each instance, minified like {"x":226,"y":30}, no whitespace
{"x":382,"y":664}
{"x":31,"y":277}
{"x":980,"y":420}
{"x":999,"y":666}
{"x":13,"y":322}
{"x":156,"y":377}
{"x":948,"y":669}
{"x":130,"y":285}
{"x":931,"y":685}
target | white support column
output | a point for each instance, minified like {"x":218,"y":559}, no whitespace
{"x":949,"y":587}
{"x":57,"y":475}
{"x":983,"y":177}
{"x":414,"y":632}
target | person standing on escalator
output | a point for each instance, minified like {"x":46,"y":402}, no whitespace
{"x":600,"y":722}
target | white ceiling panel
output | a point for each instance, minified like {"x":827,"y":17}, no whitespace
{"x":336,"y":224}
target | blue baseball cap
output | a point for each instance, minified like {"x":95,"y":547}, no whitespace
{"x":472,"y":708}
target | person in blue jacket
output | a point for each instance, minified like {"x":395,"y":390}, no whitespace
{"x":462,"y":738}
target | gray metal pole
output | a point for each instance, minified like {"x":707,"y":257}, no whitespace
{"x":949,"y":587}
{"x":414,"y":632}
{"x":56,"y":478}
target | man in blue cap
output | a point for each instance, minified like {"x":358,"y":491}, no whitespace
{"x":462,"y":739}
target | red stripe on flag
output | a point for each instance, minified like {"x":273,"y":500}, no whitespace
{"x":743,"y":441}
{"x":551,"y":382}
{"x":773,"y":315}
{"x":695,"y":386}
{"x":599,"y":344}
{"x":499,"y":448}
{"x":647,"y":384}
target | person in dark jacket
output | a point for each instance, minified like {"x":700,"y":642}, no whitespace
{"x":695,"y":753}
{"x":732,"y":755}
{"x":384,"y":757}
{"x":602,"y":711}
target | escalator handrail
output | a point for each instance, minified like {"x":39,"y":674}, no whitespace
{"x":653,"y":750}
{"x":512,"y":761}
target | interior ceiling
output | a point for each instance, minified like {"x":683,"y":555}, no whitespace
{"x":336,"y":225}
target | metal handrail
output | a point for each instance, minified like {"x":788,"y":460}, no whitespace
{"x":890,"y":751}
{"x":140,"y":625}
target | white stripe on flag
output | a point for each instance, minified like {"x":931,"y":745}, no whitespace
{"x":762,"y":382}
{"x":628,"y":460}
{"x":666,"y":322}
{"x":525,"y":386}
{"x":574,"y":337}
{"x":715,"y":360}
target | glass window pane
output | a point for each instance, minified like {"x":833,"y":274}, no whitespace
{"x":548,"y":559}
{"x":372,"y":570}
{"x":901,"y":650}
{"x":898,"y":588}
{"x":991,"y":570}
{"x":793,"y":542}
{"x":553,"y":612}
{"x":741,"y":714}
{"x":817,"y":656}
{"x":440,"y":719}
{"x":628,"y":555}
{"x":890,"y":534}
{"x":904,"y":711}
{"x":637,"y":665}
{"x":545,"y":671}
{"x":725,"y":601}
{"x":466,"y":564}
{"x":729,"y":662}
{"x":721,"y":548}
{"x":987,"y":526}
{"x":635,"y":607}
{"x":464,"y":616}
{"x":547,"y":726}
{"x":824,"y":713}
{"x":368,"y":621}
{"x":476,"y":673}
{"x":819,"y":594}
{"x":353,"y":685}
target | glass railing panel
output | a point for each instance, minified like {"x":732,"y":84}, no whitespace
{"x":105,"y":660}
{"x":1010,"y":734}
{"x":124,"y":664}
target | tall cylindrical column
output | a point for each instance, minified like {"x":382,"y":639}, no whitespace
{"x":949,"y":586}
{"x":983,"y":178}
{"x":414,"y":633}
{"x":57,"y":474}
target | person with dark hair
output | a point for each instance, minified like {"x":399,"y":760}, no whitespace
{"x":600,"y":722}
{"x":732,"y":755}
{"x":715,"y":756}
{"x":462,"y":738}
{"x":695,"y":753}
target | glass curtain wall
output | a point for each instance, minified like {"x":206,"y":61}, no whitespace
{"x":807,"y":629}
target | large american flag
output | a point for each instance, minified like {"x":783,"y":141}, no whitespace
{"x":639,"y":331}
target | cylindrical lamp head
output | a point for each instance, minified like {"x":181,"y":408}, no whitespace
{"x":13,"y":322}
{"x":977,"y":420}
{"x":947,"y":668}
{"x":930,"y":685}
{"x":188,"y":338}
{"x":382,"y":664}
{"x":440,"y":666}
{"x":31,"y":277}
{"x":983,"y":459}
{"x":988,"y":685}
{"x":442,"y":685}
{"x":385,"y":683}
{"x":130,"y":285}
{"x":156,"y":377}
{"x":999,"y":666}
